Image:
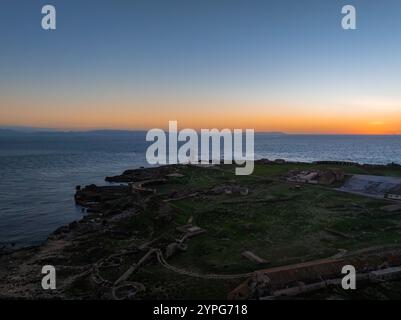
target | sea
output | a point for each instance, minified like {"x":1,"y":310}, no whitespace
{"x":39,"y":171}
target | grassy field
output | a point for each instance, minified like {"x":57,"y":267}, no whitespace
{"x":275,"y":220}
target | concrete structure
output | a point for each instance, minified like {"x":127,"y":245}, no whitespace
{"x":281,"y":280}
{"x":373,"y":186}
{"x":394,"y":193}
{"x":304,"y":177}
{"x":387,"y":274}
{"x":253,"y":257}
{"x":328,"y":177}
{"x":323,"y":177}
{"x":338,"y":163}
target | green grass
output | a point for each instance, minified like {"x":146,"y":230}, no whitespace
{"x":275,"y":221}
{"x":279,"y":230}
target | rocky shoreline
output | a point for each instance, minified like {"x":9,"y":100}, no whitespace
{"x":76,"y":248}
{"x":123,"y":245}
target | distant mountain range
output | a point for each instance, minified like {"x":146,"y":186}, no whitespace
{"x":21,"y":129}
{"x":9,"y":132}
{"x":273,"y":133}
{"x":13,"y":131}
{"x":30,"y":130}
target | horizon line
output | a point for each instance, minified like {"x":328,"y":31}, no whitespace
{"x":29,"y":129}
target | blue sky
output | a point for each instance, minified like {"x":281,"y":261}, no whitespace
{"x":119,"y":63}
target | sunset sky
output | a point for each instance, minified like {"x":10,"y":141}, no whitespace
{"x":284,"y":65}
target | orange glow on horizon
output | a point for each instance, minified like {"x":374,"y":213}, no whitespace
{"x":145,"y":116}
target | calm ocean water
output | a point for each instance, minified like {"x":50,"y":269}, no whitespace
{"x":39,"y":172}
